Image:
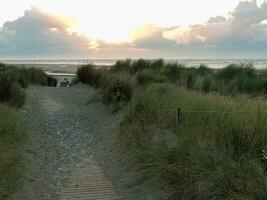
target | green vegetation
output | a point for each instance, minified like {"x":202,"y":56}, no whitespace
{"x":114,"y":87}
{"x":235,"y":79}
{"x":212,"y":155}
{"x":12,"y":135}
{"x":218,"y":147}
{"x":13,"y":82}
{"x":87,"y":74}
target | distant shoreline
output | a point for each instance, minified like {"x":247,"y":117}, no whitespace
{"x":71,"y":65}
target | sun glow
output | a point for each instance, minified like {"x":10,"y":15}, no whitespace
{"x":113,"y":21}
{"x":115,"y":34}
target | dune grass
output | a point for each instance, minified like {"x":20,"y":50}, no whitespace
{"x":14,"y":81}
{"x":89,"y":75}
{"x":12,"y":135}
{"x":218,"y":147}
{"x":115,"y":87}
{"x":234,"y":79}
{"x":211,"y":155}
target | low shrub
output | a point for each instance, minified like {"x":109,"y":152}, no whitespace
{"x":14,"y":80}
{"x":190,"y":79}
{"x":206,"y":85}
{"x":84,"y":73}
{"x":5,"y":87}
{"x":139,"y":65}
{"x":17,"y":95}
{"x":121,"y":65}
{"x":231,"y":71}
{"x":11,"y":91}
{"x":147,"y":76}
{"x":203,"y":70}
{"x":116,"y":88}
{"x":157,"y":65}
{"x":173,"y":72}
{"x":34,"y":76}
{"x":89,"y":75}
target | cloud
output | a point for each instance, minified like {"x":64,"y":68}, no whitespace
{"x":150,"y":37}
{"x":249,"y":13}
{"x":38,"y":33}
{"x":145,"y":42}
{"x":241,"y":33}
{"x":218,"y":19}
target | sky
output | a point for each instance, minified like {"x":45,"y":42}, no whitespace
{"x":132,"y":29}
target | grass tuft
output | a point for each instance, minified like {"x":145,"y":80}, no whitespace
{"x":12,"y":135}
{"x":14,"y":80}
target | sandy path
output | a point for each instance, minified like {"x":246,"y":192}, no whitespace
{"x":62,"y":140}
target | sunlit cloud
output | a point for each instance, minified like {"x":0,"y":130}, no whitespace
{"x":39,"y":33}
{"x":244,"y":24}
{"x":241,"y":33}
{"x":114,"y":20}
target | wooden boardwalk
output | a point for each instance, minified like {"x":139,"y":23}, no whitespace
{"x":89,"y":183}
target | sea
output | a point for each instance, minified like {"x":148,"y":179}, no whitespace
{"x":70,"y":66}
{"x":212,"y":63}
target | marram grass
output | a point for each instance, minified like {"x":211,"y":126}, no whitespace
{"x":12,"y":135}
{"x":218,"y":147}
